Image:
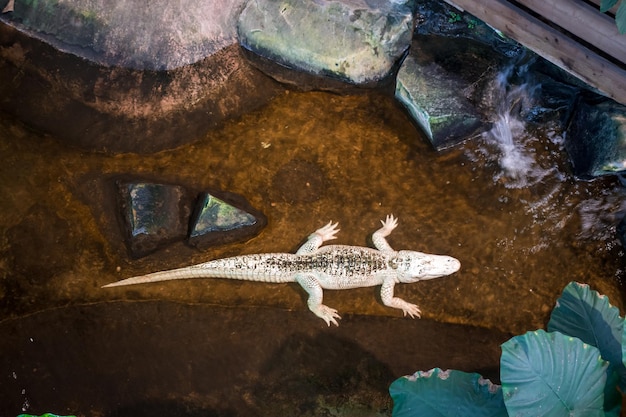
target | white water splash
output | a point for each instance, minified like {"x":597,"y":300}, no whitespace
{"x":517,"y":159}
{"x":533,"y":169}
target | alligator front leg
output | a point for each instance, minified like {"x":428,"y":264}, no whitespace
{"x":378,"y":238}
{"x":316,"y":294}
{"x":318,"y":237}
{"x":386,"y":294}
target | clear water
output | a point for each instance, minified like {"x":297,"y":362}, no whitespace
{"x":505,"y":204}
{"x":524,"y":165}
{"x":509,"y":209}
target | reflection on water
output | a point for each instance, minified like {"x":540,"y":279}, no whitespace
{"x":521,"y":225}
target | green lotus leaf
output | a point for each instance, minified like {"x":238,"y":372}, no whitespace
{"x":438,"y":393}
{"x":587,"y":315}
{"x":552,"y":375}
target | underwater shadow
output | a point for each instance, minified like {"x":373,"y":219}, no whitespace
{"x":323,"y":374}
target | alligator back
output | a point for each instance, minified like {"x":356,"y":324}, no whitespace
{"x":348,"y":265}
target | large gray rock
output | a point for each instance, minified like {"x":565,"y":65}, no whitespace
{"x":84,"y":71}
{"x":158,"y":35}
{"x":356,"y":41}
{"x":596,"y":138}
{"x":432,"y":99}
{"x":447,"y":81}
{"x":443,"y":83}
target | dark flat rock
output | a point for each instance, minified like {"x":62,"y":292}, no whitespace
{"x":145,"y":358}
{"x":223,"y":217}
{"x":153,"y":215}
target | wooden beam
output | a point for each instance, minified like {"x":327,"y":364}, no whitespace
{"x":583,"y":21}
{"x":551,"y":44}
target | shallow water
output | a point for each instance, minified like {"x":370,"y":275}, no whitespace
{"x":303,"y":160}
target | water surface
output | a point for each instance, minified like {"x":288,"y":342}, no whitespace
{"x":522,"y":229}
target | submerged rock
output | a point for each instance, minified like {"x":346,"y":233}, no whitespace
{"x":223,"y":220}
{"x":356,"y":41}
{"x":154,"y":215}
{"x":596,"y":138}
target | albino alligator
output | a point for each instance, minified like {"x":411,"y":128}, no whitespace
{"x":332,"y":267}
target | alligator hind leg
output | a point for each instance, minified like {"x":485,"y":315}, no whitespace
{"x":316,"y":294}
{"x":378,"y":238}
{"x":318,"y":237}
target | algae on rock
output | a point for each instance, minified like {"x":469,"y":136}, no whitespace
{"x":355,"y":41}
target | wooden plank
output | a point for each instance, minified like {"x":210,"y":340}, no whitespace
{"x":551,"y":44}
{"x":583,"y":21}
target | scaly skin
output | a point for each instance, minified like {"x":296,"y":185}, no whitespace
{"x":332,"y":267}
